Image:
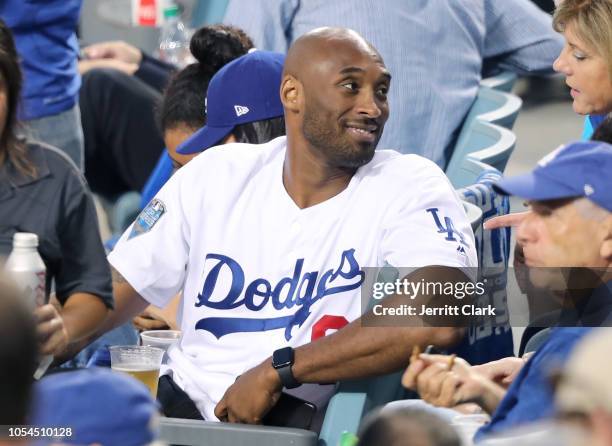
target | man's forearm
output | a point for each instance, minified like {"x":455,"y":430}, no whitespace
{"x":365,"y":348}
{"x":492,"y":394}
{"x":358,"y":352}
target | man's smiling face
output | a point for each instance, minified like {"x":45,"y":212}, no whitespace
{"x":345,"y":107}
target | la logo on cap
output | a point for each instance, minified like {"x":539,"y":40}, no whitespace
{"x":241,"y":110}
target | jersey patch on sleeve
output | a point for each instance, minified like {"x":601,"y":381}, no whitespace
{"x":148,"y":217}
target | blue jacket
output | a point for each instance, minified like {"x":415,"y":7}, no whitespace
{"x":44,"y":32}
{"x":530,"y":396}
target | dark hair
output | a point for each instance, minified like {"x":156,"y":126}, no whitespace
{"x":405,"y":427}
{"x":18,"y":353}
{"x":11,"y":148}
{"x":184,"y":99}
{"x":603,"y":132}
{"x":260,"y":132}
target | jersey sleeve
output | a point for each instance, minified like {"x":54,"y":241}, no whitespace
{"x":428,"y":226}
{"x":152,"y":253}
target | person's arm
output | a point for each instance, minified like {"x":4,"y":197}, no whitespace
{"x":82,"y":279}
{"x":446,"y":381}
{"x":358,"y":350}
{"x":122,"y":56}
{"x":519,"y":37}
{"x":128,"y":303}
{"x":155,"y":318}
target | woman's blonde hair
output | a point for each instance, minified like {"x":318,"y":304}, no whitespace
{"x":592,"y":22}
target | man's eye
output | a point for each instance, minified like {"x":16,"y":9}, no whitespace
{"x":383,"y":91}
{"x":543,"y":211}
{"x":350,"y":86}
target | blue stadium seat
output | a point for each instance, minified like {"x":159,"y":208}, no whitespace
{"x":353,"y":400}
{"x":124,"y":211}
{"x":488,"y":126}
{"x":484,"y":142}
{"x":493,"y":106}
{"x":503,"y":81}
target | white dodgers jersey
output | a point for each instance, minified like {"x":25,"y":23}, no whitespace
{"x":258,"y":273}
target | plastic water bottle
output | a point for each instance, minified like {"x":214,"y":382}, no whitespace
{"x":27,"y":269}
{"x":174,"y":39}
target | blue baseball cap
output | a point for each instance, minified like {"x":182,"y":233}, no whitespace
{"x":579,"y":169}
{"x":245,"y":90}
{"x":99,"y":405}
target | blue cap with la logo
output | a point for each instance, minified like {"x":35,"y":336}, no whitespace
{"x":579,"y":169}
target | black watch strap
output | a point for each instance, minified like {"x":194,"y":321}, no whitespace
{"x":287,"y":379}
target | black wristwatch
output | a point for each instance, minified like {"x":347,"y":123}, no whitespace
{"x":282,"y":360}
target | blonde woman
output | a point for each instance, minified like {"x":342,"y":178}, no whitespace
{"x":586,"y":58}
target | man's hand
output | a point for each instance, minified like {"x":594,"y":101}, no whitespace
{"x":503,"y":371}
{"x":251,"y":397}
{"x":118,"y":50}
{"x":443,"y":381}
{"x":51,"y":330}
{"x":148,"y":320}
{"x":447,"y":382}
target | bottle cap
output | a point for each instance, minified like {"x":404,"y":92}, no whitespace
{"x":171,"y":11}
{"x":25,"y":240}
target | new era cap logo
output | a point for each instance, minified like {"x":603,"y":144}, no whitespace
{"x":241,"y":110}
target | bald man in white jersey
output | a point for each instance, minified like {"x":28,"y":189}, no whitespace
{"x":268,"y":242}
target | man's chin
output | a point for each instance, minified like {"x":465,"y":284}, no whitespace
{"x":357,"y":160}
{"x":548,"y":278}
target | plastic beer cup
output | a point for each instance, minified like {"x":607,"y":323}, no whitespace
{"x":142,"y":362}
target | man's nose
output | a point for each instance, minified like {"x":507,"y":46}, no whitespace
{"x":526,"y":232}
{"x":368,"y":105}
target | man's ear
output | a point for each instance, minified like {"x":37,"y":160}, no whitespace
{"x":291,"y":94}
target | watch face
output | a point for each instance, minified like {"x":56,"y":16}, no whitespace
{"x":282,"y":357}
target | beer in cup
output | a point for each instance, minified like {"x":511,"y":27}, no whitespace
{"x":142,"y":362}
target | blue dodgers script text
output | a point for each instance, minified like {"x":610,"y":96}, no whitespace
{"x":303,"y":290}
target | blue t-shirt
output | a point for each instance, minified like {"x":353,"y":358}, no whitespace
{"x":45,"y":36}
{"x":530,"y":396}
{"x":591,"y":122}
